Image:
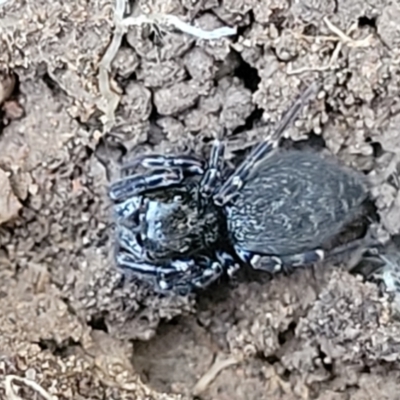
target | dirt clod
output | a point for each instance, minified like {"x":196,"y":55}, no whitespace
{"x":7,"y":84}
{"x":9,"y":203}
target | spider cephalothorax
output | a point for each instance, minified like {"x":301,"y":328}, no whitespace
{"x":176,"y":221}
{"x":168,"y":227}
{"x":181,"y":224}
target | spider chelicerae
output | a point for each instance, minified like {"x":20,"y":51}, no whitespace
{"x":182,"y":223}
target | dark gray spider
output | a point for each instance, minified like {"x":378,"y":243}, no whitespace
{"x":181,"y":225}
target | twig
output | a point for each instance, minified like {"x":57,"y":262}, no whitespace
{"x":110,"y":100}
{"x":10,"y":393}
{"x":345,"y":38}
{"x":218,"y":365}
{"x":330,"y":65}
{"x":342,"y":38}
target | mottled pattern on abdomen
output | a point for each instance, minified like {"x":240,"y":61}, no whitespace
{"x":294,"y":201}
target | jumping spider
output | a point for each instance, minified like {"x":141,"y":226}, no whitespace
{"x":183,"y":223}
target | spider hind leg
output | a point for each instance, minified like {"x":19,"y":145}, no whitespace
{"x":287,"y":263}
{"x":236,"y":181}
{"x":212,"y":174}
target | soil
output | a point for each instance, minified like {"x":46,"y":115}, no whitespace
{"x":71,"y":326}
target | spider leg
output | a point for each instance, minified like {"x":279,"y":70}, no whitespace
{"x":133,"y":254}
{"x":209,"y":275}
{"x":228,"y":262}
{"x":130,"y":262}
{"x":126,"y":240}
{"x":273,"y":264}
{"x":135,"y":185}
{"x":205,"y":272}
{"x":164,"y":275}
{"x":168,"y":277}
{"x":287,"y":263}
{"x":146,"y":271}
{"x":187,"y":164}
{"x":211,"y":270}
{"x":212,"y":173}
{"x":236,"y":181}
{"x":180,"y":276}
{"x":128,"y":208}
{"x":196,"y":274}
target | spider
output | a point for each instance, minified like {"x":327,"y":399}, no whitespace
{"x":183,"y":223}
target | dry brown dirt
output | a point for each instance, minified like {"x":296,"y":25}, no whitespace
{"x":70,"y":325}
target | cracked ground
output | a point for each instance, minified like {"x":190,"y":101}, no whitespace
{"x":69,"y":322}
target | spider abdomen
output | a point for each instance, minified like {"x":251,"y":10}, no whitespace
{"x":292,"y":202}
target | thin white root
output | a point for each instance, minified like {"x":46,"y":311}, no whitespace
{"x":174,"y":21}
{"x":345,"y":38}
{"x":342,"y":38}
{"x":331,"y":64}
{"x":10,"y":393}
{"x":218,"y":365}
